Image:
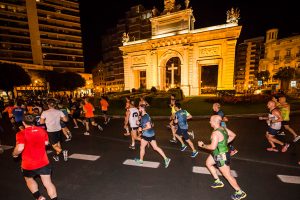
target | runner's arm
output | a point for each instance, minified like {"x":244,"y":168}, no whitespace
{"x":18,"y":150}
{"x":214,"y":142}
{"x":231,"y":135}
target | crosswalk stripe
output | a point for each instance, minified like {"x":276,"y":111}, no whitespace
{"x":289,"y":179}
{"x":84,"y":157}
{"x":148,"y":164}
{"x":6,"y":147}
{"x":204,"y":170}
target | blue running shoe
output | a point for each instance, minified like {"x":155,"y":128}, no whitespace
{"x":183,"y":148}
{"x":167,"y":162}
{"x":194,"y":154}
{"x":238,"y":195}
{"x":139,"y":161}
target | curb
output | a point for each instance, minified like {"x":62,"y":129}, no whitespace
{"x":204,"y":116}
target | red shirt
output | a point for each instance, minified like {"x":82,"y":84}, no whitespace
{"x":34,"y":155}
{"x":89,"y":110}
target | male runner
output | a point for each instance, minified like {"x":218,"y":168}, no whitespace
{"x":88,"y":110}
{"x":31,"y":143}
{"x":172,"y":124}
{"x":148,"y":136}
{"x":132,"y":117}
{"x":274,"y":122}
{"x":51,"y":118}
{"x":285,"y":113}
{"x":104,"y":108}
{"x":181,"y":117}
{"x":18,"y":113}
{"x":220,"y":156}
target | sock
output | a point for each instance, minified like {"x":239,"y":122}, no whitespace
{"x":55,"y":198}
{"x":36,"y":195}
{"x":239,"y":191}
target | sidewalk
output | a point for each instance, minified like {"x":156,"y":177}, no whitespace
{"x":205,"y":116}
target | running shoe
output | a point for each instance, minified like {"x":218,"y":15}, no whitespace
{"x":217,"y":184}
{"x":76,"y":127}
{"x":41,"y":198}
{"x":285,"y":147}
{"x":100,"y":128}
{"x":108,"y":120}
{"x":183,"y":148}
{"x":191,"y":134}
{"x":238,"y":195}
{"x":86,"y":133}
{"x":56,"y":158}
{"x":65,"y":153}
{"x":167,"y":162}
{"x":132,"y":147}
{"x":139,"y":161}
{"x":194,"y":154}
{"x":296,"y":138}
{"x":173,"y":140}
{"x":68,"y":139}
{"x":272,"y":149}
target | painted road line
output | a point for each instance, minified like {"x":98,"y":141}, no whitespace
{"x":204,"y":170}
{"x":289,"y":179}
{"x":84,"y":157}
{"x":148,"y":164}
{"x":6,"y":147}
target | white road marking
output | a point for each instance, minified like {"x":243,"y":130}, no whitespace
{"x":84,"y":157}
{"x":6,"y":147}
{"x":289,"y":179}
{"x":204,"y":170}
{"x":148,"y":164}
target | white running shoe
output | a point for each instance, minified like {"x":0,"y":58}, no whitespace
{"x":296,"y":138}
{"x":65,"y":154}
{"x":100,"y":128}
{"x":86,"y":133}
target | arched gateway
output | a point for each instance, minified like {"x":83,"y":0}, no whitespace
{"x":176,"y":54}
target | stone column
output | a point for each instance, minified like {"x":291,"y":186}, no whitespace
{"x":185,"y":72}
{"x":128,"y":73}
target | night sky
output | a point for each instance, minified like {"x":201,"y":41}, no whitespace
{"x":256,"y":18}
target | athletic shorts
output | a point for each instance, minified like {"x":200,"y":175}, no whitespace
{"x":134,"y":128}
{"x":285,"y":123}
{"x":63,"y":124}
{"x":272,"y":131}
{"x":148,"y":139}
{"x":76,"y":115}
{"x":183,"y":133}
{"x":222,"y":159}
{"x":90,"y":119}
{"x":104,"y":112}
{"x":46,"y":170}
{"x":54,"y":137}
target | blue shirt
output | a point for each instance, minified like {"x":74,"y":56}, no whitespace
{"x":18,"y":112}
{"x":144,"y":120}
{"x":181,"y":116}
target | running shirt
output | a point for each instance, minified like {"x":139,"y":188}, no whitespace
{"x":9,"y":110}
{"x":275,"y":125}
{"x":144,"y":120}
{"x":222,"y":146}
{"x":133,"y":117}
{"x":181,"y":116}
{"x":37,"y":122}
{"x":173,"y":111}
{"x":65,"y":111}
{"x":89,"y":110}
{"x":285,"y":112}
{"x":221,"y":114}
{"x":104,"y":105}
{"x":52,"y":117}
{"x":34,"y":155}
{"x":18,"y":113}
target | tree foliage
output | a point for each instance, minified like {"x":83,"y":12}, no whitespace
{"x":12,"y":75}
{"x":68,"y":81}
{"x":285,"y":75}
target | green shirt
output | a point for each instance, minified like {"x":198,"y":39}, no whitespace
{"x":285,"y":112}
{"x":222,"y":146}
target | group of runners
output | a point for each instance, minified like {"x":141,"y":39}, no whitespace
{"x":48,"y":121}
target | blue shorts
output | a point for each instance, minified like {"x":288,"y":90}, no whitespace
{"x":183,"y":133}
{"x":273,"y":131}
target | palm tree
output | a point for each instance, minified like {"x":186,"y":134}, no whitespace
{"x":285,"y":75}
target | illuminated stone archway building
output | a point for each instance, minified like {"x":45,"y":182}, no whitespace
{"x":173,"y":35}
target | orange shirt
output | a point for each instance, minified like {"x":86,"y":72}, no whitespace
{"x":104,"y":104}
{"x":9,"y":110}
{"x":89,"y":110}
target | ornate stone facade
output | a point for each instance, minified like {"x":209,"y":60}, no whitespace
{"x":173,"y":35}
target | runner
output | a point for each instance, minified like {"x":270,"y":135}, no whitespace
{"x":104,"y":108}
{"x":181,"y":117}
{"x":67,"y":133}
{"x":88,"y":110}
{"x":148,"y":136}
{"x":52,"y":118}
{"x":274,"y":122}
{"x":31,"y":143}
{"x":132,"y":117}
{"x":18,"y":113}
{"x":220,"y":156}
{"x":172,"y":124}
{"x":143,"y":102}
{"x":285,"y":112}
{"x":217,"y":111}
{"x":127,"y":106}
{"x":76,"y":112}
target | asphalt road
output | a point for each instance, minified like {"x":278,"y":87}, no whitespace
{"x":107,"y":178}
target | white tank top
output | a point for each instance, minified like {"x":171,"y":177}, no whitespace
{"x":133,"y":117}
{"x":276,"y":125}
